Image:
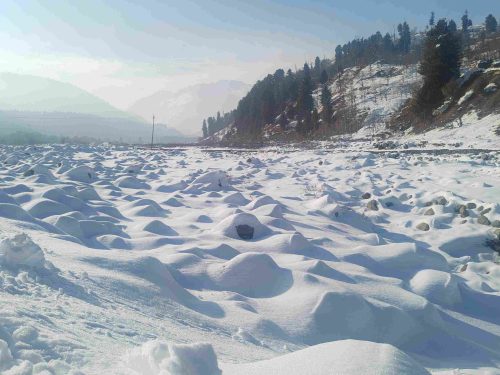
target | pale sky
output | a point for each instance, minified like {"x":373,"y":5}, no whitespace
{"x":122,"y":50}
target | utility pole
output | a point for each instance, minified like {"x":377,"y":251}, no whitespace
{"x":153,"y":132}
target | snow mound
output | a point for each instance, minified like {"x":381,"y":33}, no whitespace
{"x":230,"y":226}
{"x":271,"y":210}
{"x":68,"y":225}
{"x":160,"y":358}
{"x":295,"y":243}
{"x":397,"y":258}
{"x":346,"y":357}
{"x":212,"y":181}
{"x":261,"y":201}
{"x":20,"y":251}
{"x":88,"y":194}
{"x":236,"y":199}
{"x":437,"y":286}
{"x":146,"y":207}
{"x":239,"y":275}
{"x":173,"y":202}
{"x":131,"y":182}
{"x":159,"y":228}
{"x":59,"y":195}
{"x":341,"y":315}
{"x":81,"y":173}
{"x":38,"y":169}
{"x":14,"y":212}
{"x":92,"y":228}
{"x":42,"y":208}
{"x":320,"y":268}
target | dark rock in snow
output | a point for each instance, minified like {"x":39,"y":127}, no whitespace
{"x":487,"y":210}
{"x":462,"y":210}
{"x":429,"y":212}
{"x":245,"y":231}
{"x":423,"y":226}
{"x":366,"y":196}
{"x":441,"y":200}
{"x":483,"y":220}
{"x":372,"y":205}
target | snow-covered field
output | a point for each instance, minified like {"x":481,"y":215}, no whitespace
{"x":130,"y":261}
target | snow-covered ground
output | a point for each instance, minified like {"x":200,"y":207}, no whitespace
{"x":130,"y":261}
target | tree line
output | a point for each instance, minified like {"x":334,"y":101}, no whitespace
{"x":286,"y":98}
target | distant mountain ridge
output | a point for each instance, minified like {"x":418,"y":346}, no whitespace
{"x":39,"y":94}
{"x":57,"y":109}
{"x":185,"y":110}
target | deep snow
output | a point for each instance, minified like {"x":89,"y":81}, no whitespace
{"x":188,"y":261}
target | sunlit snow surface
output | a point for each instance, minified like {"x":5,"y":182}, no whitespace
{"x":131,"y":261}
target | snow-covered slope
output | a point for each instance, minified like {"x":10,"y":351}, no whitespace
{"x":132,"y":261}
{"x":377,"y":91}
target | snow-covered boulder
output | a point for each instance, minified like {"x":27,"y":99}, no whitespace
{"x":437,"y":286}
{"x":38,"y":169}
{"x":19,"y":251}
{"x":212,"y":181}
{"x":159,"y":357}
{"x":239,"y":275}
{"x":346,"y":357}
{"x":81,"y":173}
{"x":131,"y":182}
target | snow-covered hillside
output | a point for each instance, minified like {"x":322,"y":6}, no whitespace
{"x":377,"y":91}
{"x":132,"y":261}
{"x":363,"y":98}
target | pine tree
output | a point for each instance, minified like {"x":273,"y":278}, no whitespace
{"x":292,"y":86}
{"x":204,"y":129}
{"x":440,"y":63}
{"x":305,"y":101}
{"x":466,"y":22}
{"x":452,"y":26}
{"x":491,"y":24}
{"x":404,"y":37}
{"x":211,"y":126}
{"x":326,"y":104}
{"x":314,"y":120}
{"x":338,"y":54}
{"x":317,"y":66}
{"x":387,"y":42}
{"x":324,"y":77}
{"x":431,"y":21}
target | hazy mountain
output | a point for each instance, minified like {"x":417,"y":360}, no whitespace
{"x":38,"y":94}
{"x":185,"y":109}
{"x":53,"y":108}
